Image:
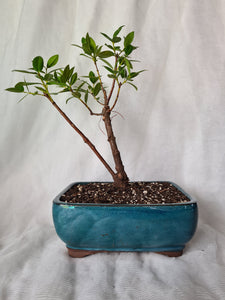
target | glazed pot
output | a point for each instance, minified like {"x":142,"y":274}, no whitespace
{"x":90,"y":228}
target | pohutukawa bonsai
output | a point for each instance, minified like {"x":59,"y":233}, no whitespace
{"x":88,"y":229}
{"x":115,"y":58}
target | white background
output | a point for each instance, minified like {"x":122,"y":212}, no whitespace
{"x":173,"y":128}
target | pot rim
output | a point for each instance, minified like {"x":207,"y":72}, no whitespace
{"x":56,"y":200}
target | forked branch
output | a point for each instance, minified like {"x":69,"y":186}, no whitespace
{"x":85,"y":139}
{"x":67,"y":80}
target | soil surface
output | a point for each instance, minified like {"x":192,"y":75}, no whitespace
{"x":134,"y":193}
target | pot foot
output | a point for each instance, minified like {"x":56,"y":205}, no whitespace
{"x":171,"y":253}
{"x":77,"y":253}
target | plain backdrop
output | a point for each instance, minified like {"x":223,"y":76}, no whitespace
{"x":172,"y":128}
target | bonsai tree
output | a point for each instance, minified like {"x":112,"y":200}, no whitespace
{"x":115,"y":57}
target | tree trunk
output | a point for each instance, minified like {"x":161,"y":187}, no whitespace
{"x":85,"y":139}
{"x":120,"y":178}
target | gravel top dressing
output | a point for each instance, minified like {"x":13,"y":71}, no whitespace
{"x":133,"y":193}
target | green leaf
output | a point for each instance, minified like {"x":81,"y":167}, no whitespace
{"x":98,"y":50}
{"x":134,"y":60}
{"x":86,"y":49}
{"x":111,"y":76}
{"x":92,"y":77}
{"x":24,"y":83}
{"x":129,"y":49}
{"x":40,"y":89}
{"x":69,"y":99}
{"x":97,"y":89}
{"x":18,"y":88}
{"x":64,"y":90}
{"x":48,"y":77}
{"x":23,"y":98}
{"x":87,"y":39}
{"x":118,"y":31}
{"x":86,"y":56}
{"x":109,"y":46}
{"x":39,"y":76}
{"x":82,"y":90}
{"x":71,"y":72}
{"x":54,"y":82}
{"x":135,"y":74}
{"x":57,"y":69}
{"x":73,"y":78}
{"x":86,"y":44}
{"x":52,"y":61}
{"x":128,"y":64}
{"x":38,"y":63}
{"x":128,"y":39}
{"x":76,"y":94}
{"x":133,"y":85}
{"x":86,"y":97}
{"x":106,"y":62}
{"x":75,"y":45}
{"x":80,"y":86}
{"x":14,"y":90}
{"x":106,"y":36}
{"x":56,"y":76}
{"x":123,"y":73}
{"x":121,"y":60}
{"x":91,"y":74}
{"x":32,"y":69}
{"x":24,"y":71}
{"x":65,"y":75}
{"x":92,"y":44}
{"x":109,"y":69}
{"x":106,"y":54}
{"x":116,"y":39}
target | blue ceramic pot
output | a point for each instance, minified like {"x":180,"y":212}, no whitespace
{"x":87,"y":228}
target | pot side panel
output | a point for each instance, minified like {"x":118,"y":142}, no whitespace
{"x":125,"y":228}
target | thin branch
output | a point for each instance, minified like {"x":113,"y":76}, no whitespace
{"x":114,"y":80}
{"x":85,"y":139}
{"x":85,"y":104}
{"x":97,"y":99}
{"x":100,"y":80}
{"x":85,"y":82}
{"x":90,"y":110}
{"x":110,"y":95}
{"x":117,"y":96}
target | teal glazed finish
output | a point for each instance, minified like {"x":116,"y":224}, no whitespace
{"x":166,"y":227}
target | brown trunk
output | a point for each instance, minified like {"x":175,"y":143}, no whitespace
{"x":85,"y":139}
{"x":120,"y":178}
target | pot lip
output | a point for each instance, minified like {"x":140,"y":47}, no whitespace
{"x":57,"y":201}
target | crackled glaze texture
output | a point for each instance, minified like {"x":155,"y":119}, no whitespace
{"x":125,"y":228}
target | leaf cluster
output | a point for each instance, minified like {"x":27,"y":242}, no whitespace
{"x":119,"y":48}
{"x":114,"y":56}
{"x":64,"y":78}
